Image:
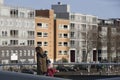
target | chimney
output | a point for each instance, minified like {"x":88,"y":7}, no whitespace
{"x":1,"y":1}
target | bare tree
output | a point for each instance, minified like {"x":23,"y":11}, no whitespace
{"x":91,"y":42}
{"x":117,"y":40}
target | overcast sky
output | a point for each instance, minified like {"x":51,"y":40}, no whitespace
{"x":100,"y":8}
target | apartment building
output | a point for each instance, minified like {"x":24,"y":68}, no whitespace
{"x":17,"y":28}
{"x":52,"y":34}
{"x":109,"y":39}
{"x":44,"y":35}
{"x":62,"y":40}
{"x":82,"y":28}
{"x":83,"y":36}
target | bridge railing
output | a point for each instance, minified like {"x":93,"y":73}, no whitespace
{"x":76,"y":68}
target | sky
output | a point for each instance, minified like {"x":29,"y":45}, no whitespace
{"x":100,"y":8}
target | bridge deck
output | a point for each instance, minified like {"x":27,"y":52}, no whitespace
{"x":5,"y":75}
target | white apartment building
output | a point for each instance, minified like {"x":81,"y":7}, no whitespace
{"x":17,"y":28}
{"x":82,"y":29}
{"x":83,"y":36}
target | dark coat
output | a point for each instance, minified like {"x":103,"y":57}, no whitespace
{"x":41,"y":63}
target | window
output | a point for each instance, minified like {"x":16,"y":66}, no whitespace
{"x":83,"y":27}
{"x":4,"y":33}
{"x":65,"y":35}
{"x":72,"y":26}
{"x":30,"y":42}
{"x":22,"y":14}
{"x":60,"y":44}
{"x":3,"y":53}
{"x":60,"y":35}
{"x":39,"y":34}
{"x":13,"y":42}
{"x":94,"y":27}
{"x":83,"y":35}
{"x":65,"y":26}
{"x":30,"y":34}
{"x":72,"y":34}
{"x":60,"y":26}
{"x":33,"y":52}
{"x":31,"y":14}
{"x":28,"y":52}
{"x":25,"y":53}
{"x":45,"y":25}
{"x":7,"y":53}
{"x":94,"y":20}
{"x":31,"y":60}
{"x":83,"y":19}
{"x":14,"y":33}
{"x":14,"y":13}
{"x":65,"y":44}
{"x":39,"y":43}
{"x":4,"y":43}
{"x":45,"y":43}
{"x":65,"y":52}
{"x":22,"y":60}
{"x":45,"y":34}
{"x":60,"y":53}
{"x":72,"y":42}
{"x":4,"y":61}
{"x":83,"y":43}
{"x":20,"y":52}
{"x":72,"y":17}
{"x":39,"y":24}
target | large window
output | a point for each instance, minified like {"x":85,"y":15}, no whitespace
{"x":30,"y":34}
{"x":72,"y":43}
{"x":30,"y":42}
{"x":13,"y":42}
{"x":83,"y":19}
{"x":4,"y":42}
{"x":14,"y":13}
{"x":14,"y":33}
{"x":83,"y":27}
{"x":72,"y":26}
{"x":72,"y":34}
{"x":72,"y":17}
{"x":4,"y":33}
{"x":31,"y":14}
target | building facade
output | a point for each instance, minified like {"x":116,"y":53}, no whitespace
{"x":62,"y":40}
{"x":44,"y":21}
{"x":82,"y":29}
{"x":17,"y":28}
{"x":52,"y":34}
{"x":109,"y":40}
{"x":83,"y":36}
